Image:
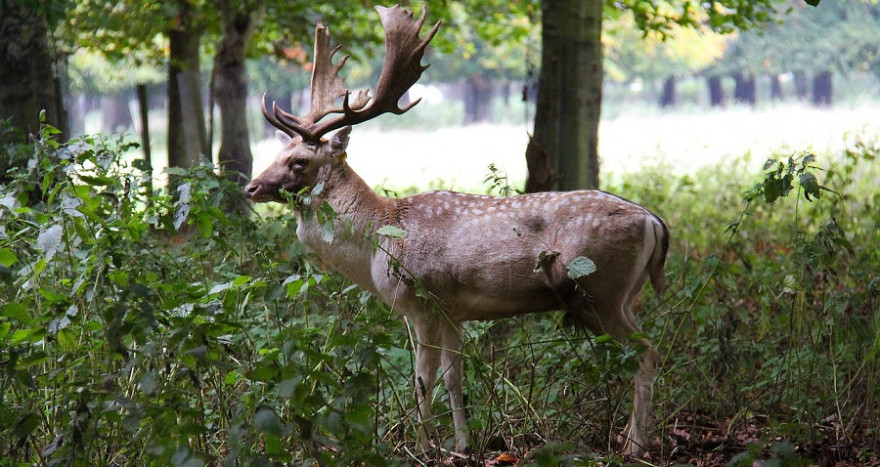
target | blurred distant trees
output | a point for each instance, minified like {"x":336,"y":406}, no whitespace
{"x":206,"y":53}
{"x":801,"y":44}
{"x":810,"y":45}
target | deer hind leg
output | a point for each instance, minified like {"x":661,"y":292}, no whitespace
{"x":636,"y":436}
{"x":614,"y":316}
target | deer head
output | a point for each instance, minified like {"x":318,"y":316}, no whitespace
{"x":306,"y":154}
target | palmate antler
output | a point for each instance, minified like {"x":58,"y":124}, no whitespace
{"x":402,"y":68}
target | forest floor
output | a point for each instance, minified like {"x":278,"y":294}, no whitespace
{"x":702,"y":441}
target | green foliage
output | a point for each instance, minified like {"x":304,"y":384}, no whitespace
{"x":146,"y":330}
{"x":141,"y":330}
{"x":776,"y":322}
{"x":833,"y":36}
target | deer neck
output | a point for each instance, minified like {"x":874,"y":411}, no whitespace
{"x":356,"y":211}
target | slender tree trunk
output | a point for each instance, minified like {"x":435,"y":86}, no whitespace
{"x":115,"y":112}
{"x":76,"y":112}
{"x":570,"y":92}
{"x":29,"y":74}
{"x":776,"y":93}
{"x":716,"y":91}
{"x":668,"y":99}
{"x":822,"y":88}
{"x":801,"y":86}
{"x":477,"y":99}
{"x":744,"y":88}
{"x":144,"y":118}
{"x":186,"y":119}
{"x":230,"y":91}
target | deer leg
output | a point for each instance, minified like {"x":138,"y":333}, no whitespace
{"x":612,"y":317}
{"x":636,"y":433}
{"x":428,"y":352}
{"x":451,"y":359}
{"x":620,"y":323}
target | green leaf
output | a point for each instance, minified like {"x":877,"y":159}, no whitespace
{"x":812,"y":2}
{"x":391,"y":232}
{"x":266,"y":420}
{"x":175,"y":171}
{"x":580,"y":267}
{"x":16,"y":311}
{"x":275,"y":449}
{"x":7,"y":257}
{"x":327,"y":232}
{"x":148,"y":383}
{"x":263,"y":373}
{"x":810,"y":185}
{"x":26,"y":425}
{"x":220,"y":288}
{"x":97,"y":181}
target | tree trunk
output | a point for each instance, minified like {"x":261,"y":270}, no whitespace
{"x":744,"y":88}
{"x":667,"y":99}
{"x":29,"y":75}
{"x":570,"y":91}
{"x":115,"y":112}
{"x":477,"y":99}
{"x":801,"y":87}
{"x":822,"y":88}
{"x":144,"y":119}
{"x":540,"y":178}
{"x":776,"y":93}
{"x":186,"y":118}
{"x":230,"y":91}
{"x":716,"y":91}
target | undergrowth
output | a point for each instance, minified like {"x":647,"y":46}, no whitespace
{"x":151,"y":329}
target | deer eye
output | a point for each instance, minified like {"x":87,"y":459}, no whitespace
{"x":300,"y":162}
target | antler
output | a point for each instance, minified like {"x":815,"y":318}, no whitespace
{"x":402,"y":68}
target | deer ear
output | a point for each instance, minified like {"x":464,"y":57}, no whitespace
{"x":339,"y":140}
{"x":283,"y":137}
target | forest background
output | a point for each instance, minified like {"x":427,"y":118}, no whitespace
{"x":148,"y":323}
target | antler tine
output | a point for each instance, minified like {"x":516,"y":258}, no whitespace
{"x":326,"y":84}
{"x":272,"y":117}
{"x":402,"y":68}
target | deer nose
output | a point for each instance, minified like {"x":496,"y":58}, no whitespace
{"x":251,"y":189}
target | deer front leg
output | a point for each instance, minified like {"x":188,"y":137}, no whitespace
{"x":452,"y":376}
{"x":427,"y":360}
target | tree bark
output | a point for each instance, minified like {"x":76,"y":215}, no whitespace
{"x":668,"y":99}
{"x":230,"y":91}
{"x":716,"y":91}
{"x":822,"y":88}
{"x":570,"y":91}
{"x":29,"y":73}
{"x":186,"y":119}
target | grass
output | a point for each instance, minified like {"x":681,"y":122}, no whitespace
{"x":125,"y":340}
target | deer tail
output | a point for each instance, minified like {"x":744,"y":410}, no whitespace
{"x":658,"y":256}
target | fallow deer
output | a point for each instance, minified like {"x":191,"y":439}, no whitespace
{"x":458,"y":257}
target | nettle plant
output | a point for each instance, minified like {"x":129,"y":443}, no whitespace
{"x":139,"y":328}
